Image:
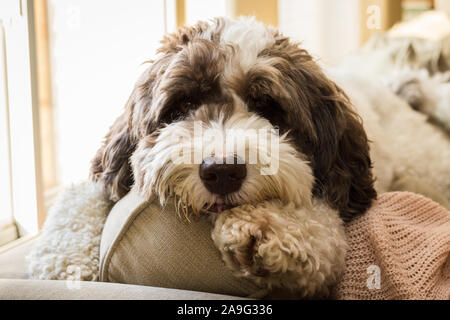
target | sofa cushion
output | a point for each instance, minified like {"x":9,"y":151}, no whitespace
{"x":15,"y":289}
{"x":13,"y":263}
{"x":401,"y":244}
{"x":145,"y":244}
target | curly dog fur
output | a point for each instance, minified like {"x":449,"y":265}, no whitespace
{"x":68,"y":247}
{"x":278,"y":245}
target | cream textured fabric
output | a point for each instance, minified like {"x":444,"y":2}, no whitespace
{"x":407,"y":237}
{"x":12,"y":261}
{"x":142,"y":244}
{"x":68,"y":247}
{"x":88,"y":290}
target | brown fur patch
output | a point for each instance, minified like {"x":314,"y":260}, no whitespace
{"x":325,"y":127}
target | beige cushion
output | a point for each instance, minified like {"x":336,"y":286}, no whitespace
{"x":13,"y":264}
{"x":147,"y":245}
{"x":87,"y":290}
{"x":13,"y":283}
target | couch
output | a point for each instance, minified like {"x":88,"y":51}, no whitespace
{"x":15,"y":282}
{"x":399,"y":249}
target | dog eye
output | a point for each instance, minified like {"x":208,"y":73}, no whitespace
{"x":260,"y":104}
{"x":186,"y":106}
{"x":178,"y":111}
{"x":268,"y":108}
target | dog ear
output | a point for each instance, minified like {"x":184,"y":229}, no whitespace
{"x":342,"y":164}
{"x":332,"y":134}
{"x":110,"y":165}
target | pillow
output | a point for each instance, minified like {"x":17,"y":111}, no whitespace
{"x":145,"y":244}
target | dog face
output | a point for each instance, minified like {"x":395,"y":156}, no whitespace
{"x":218,"y":84}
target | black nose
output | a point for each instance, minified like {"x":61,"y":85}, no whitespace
{"x":222,"y":178}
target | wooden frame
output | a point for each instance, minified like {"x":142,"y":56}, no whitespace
{"x":44,"y":91}
{"x":180,"y":6}
{"x":6,"y":198}
{"x":264,"y":10}
{"x":21,"y":103}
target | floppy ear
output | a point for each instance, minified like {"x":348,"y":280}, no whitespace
{"x":111,"y":165}
{"x":342,"y":164}
{"x":330,"y":132}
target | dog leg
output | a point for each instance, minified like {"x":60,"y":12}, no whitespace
{"x":280,"y":246}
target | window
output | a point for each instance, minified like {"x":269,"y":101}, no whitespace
{"x":66,"y":70}
{"x":20,"y":187}
{"x":97,"y":50}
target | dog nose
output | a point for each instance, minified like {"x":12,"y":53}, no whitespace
{"x":222,"y":178}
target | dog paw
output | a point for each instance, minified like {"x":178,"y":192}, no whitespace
{"x":281,"y":246}
{"x":239,"y":241}
{"x":253,"y":241}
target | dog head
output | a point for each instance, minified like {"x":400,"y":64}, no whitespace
{"x":224,"y":82}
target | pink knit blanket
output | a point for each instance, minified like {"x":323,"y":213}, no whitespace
{"x":399,"y":249}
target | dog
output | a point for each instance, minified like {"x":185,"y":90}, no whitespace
{"x":336,"y":140}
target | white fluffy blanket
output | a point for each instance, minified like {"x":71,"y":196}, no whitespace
{"x":68,"y":248}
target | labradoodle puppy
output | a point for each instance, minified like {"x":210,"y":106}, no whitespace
{"x":235,"y":121}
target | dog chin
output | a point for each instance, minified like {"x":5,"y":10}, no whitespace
{"x":214,"y":205}
{"x":218,"y":207}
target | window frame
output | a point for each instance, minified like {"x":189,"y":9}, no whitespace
{"x":20,"y":107}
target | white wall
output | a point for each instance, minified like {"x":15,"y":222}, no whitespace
{"x":327,"y":28}
{"x":443,"y":5}
{"x":97,"y":48}
{"x":206,"y":9}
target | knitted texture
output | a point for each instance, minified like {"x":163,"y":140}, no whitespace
{"x":399,"y":249}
